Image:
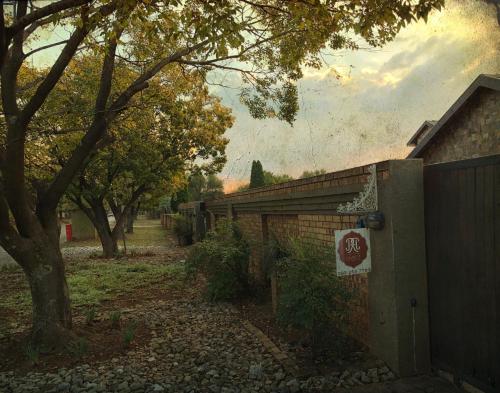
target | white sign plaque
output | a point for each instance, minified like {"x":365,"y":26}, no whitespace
{"x":353,"y":250}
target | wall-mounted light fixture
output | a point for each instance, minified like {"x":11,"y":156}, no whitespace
{"x":374,"y":220}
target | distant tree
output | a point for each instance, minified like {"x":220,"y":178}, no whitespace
{"x":204,"y":188}
{"x":271,"y":178}
{"x":253,"y":172}
{"x":164,"y":204}
{"x":256,"y":175}
{"x":214,"y":188}
{"x":243,"y":187}
{"x":179,"y":197}
{"x":196,"y":185}
{"x":315,"y":172}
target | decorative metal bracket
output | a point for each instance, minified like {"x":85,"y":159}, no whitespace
{"x":367,"y":200}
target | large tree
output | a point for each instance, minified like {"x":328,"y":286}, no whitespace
{"x":175,"y":122}
{"x":267,"y":41}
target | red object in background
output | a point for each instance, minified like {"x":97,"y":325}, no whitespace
{"x":69,"y":232}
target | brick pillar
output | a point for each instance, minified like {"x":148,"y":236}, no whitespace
{"x":230,"y":212}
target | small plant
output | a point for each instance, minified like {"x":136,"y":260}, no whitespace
{"x":90,"y":314}
{"x":311,"y":296}
{"x":183,"y":229}
{"x":115,"y":318}
{"x":78,"y":348}
{"x":137,"y":269}
{"x":223,"y":258}
{"x":32,"y":354}
{"x":129,"y":333}
{"x":10,"y":268}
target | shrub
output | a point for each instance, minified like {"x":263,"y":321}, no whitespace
{"x":115,"y":317}
{"x":183,"y":229}
{"x":274,"y":251}
{"x":311,"y":296}
{"x":222,"y":257}
{"x":78,"y":348}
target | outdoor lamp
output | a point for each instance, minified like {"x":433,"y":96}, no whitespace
{"x":374,"y":220}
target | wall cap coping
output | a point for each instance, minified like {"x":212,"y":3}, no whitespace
{"x":355,"y":171}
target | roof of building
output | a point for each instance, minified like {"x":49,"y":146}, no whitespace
{"x":482,"y":81}
{"x":425,"y":126}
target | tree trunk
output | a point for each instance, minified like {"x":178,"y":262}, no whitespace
{"x":100,"y":219}
{"x":131,"y":217}
{"x":50,"y":297}
{"x":130,"y":221}
{"x":98,"y":216}
{"x":42,"y":262}
{"x":109,"y":244}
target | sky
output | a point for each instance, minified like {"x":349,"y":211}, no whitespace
{"x":364,"y":106}
{"x":361,"y":106}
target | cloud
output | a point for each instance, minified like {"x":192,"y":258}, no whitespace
{"x":381,"y":98}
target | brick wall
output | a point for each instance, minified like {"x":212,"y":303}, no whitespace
{"x":474,"y":132}
{"x":320,"y":229}
{"x":282,"y":226}
{"x":305,"y":208}
{"x":251,"y":227}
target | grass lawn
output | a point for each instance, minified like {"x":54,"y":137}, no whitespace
{"x":147,"y":233}
{"x":93,"y":280}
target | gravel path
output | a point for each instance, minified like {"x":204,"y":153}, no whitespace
{"x":201,"y":347}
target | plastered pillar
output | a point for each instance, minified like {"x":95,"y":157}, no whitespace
{"x":399,"y":325}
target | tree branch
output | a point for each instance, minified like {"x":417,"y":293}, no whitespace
{"x":10,"y":239}
{"x":43,"y":48}
{"x":108,"y":67}
{"x":122,"y":215}
{"x":61,"y":63}
{"x":40,"y":13}
{"x":239,"y":54}
{"x":100,"y":124}
{"x":142,"y":82}
{"x":9,"y":73}
{"x":4,"y":42}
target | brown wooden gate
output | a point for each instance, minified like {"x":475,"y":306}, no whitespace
{"x":462,"y":213}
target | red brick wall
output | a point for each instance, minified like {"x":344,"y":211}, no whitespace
{"x":251,"y":227}
{"x":282,"y":226}
{"x":319,"y":228}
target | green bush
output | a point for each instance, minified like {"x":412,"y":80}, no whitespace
{"x":183,"y":229}
{"x":222,"y":257}
{"x":311,"y":296}
{"x":129,"y":333}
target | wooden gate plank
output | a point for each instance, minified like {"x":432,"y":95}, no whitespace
{"x":496,"y":258}
{"x":462,"y":213}
{"x":472,"y":275}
